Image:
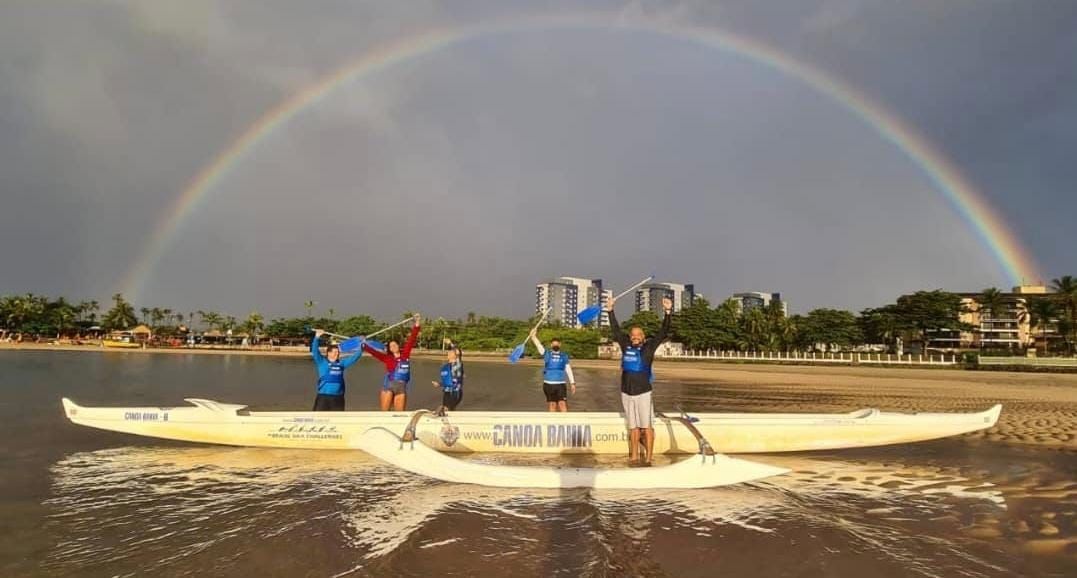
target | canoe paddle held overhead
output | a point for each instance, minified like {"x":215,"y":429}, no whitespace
{"x":518,"y":351}
{"x":397,"y":361}
{"x":591,"y":313}
{"x":352,"y":343}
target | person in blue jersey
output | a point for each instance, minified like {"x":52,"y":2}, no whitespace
{"x":330,"y":374}
{"x":557,"y":375}
{"x":637,"y":359}
{"x":451,"y":380}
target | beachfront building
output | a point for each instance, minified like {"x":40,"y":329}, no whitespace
{"x":649,"y":296}
{"x":1008,"y":328}
{"x":567,"y":296}
{"x":758,"y":300}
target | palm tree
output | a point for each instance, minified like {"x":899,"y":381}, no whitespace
{"x":62,"y":312}
{"x":157,"y":316}
{"x":754,"y":328}
{"x":254,"y":324}
{"x":211,"y":319}
{"x":145,"y":314}
{"x":1039,"y":313}
{"x":991,"y":301}
{"x":991,"y":304}
{"x":1065,"y":289}
{"x":122,"y":314}
{"x":310,"y":304}
{"x":170,"y":317}
{"x":93,"y":309}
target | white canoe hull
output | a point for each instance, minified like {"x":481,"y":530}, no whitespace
{"x":694,"y":472}
{"x":528,"y":432}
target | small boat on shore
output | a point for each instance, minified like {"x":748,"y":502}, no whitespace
{"x":120,"y":344}
{"x":212,"y":422}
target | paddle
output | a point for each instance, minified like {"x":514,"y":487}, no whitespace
{"x":591,"y":313}
{"x":337,"y":335}
{"x":352,"y":343}
{"x":518,"y":351}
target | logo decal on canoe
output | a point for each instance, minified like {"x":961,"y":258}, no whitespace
{"x":535,"y":435}
{"x":449,"y":434}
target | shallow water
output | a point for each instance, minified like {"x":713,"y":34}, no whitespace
{"x":77,"y":501}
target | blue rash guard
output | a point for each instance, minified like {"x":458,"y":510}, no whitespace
{"x":554,"y":368}
{"x":331,"y":374}
{"x":452,"y":376}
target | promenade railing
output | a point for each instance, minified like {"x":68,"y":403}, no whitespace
{"x":848,"y":358}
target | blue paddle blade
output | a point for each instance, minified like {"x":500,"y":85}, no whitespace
{"x":590,"y":314}
{"x":351,"y":344}
{"x":376,"y":344}
{"x":516,"y":353}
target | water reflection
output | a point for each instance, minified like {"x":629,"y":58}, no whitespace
{"x":138,"y":509}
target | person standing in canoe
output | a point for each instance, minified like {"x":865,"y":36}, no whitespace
{"x":451,"y":380}
{"x":397,"y":361}
{"x":556,"y":374}
{"x":330,"y":374}
{"x":637,"y":357}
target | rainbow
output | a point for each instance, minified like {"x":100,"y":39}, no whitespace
{"x":1013,"y":259}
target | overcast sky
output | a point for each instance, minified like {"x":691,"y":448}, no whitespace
{"x":455,"y":181}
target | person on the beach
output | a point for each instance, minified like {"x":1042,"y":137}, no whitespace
{"x":330,"y":374}
{"x":397,"y":360}
{"x":451,"y":380}
{"x":556,"y":374}
{"x":637,"y":357}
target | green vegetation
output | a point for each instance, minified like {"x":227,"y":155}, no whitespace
{"x":914,"y":319}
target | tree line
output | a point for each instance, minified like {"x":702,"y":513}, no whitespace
{"x":913,"y":318}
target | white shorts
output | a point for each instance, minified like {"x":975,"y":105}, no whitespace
{"x":639,"y":411}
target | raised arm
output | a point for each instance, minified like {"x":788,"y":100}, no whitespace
{"x":405,"y":352}
{"x":663,"y":331}
{"x":350,"y":361}
{"x":615,"y":330}
{"x":382,"y":356}
{"x":538,"y":344}
{"x":315,"y":352}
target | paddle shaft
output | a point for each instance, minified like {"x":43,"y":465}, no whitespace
{"x":540,"y":322}
{"x":632,"y":288}
{"x":393,"y":326}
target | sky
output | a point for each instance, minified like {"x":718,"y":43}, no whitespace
{"x":455,"y":180}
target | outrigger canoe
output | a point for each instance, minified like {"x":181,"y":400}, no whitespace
{"x":206,"y":421}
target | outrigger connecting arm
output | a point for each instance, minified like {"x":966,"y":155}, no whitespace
{"x":705,"y":448}
{"x":409,"y":432}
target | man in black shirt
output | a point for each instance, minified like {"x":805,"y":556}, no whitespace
{"x":637,"y":357}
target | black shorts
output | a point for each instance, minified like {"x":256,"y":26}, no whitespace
{"x":329,"y":403}
{"x":555,"y":392}
{"x":451,"y":399}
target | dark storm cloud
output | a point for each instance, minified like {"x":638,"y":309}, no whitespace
{"x":455,"y":181}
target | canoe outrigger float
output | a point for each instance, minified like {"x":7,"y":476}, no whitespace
{"x":424,"y":436}
{"x":705,"y":471}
